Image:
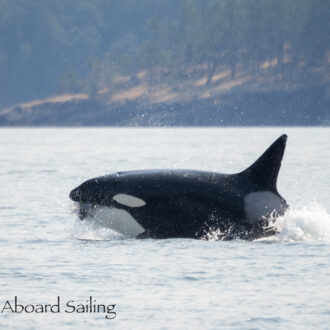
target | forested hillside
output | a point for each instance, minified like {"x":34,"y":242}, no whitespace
{"x":160,"y":51}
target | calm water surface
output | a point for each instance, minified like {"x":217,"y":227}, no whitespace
{"x":45,"y":252}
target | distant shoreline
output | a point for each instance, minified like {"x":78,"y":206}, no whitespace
{"x":308,"y":107}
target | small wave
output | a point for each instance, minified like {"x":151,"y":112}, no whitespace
{"x":302,"y":223}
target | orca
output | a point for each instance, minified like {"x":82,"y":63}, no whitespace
{"x":188,"y":203}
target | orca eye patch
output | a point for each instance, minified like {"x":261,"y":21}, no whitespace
{"x":129,"y":200}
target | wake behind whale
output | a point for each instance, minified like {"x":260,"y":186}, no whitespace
{"x":187,"y":203}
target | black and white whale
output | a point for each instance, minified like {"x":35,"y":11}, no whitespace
{"x":188,"y":203}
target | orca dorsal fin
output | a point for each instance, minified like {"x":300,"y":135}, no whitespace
{"x":264,"y":171}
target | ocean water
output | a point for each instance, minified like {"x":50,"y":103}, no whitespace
{"x":46,"y":252}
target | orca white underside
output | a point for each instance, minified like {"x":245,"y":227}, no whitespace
{"x":115,"y":219}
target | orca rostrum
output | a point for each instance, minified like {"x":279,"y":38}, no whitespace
{"x":188,"y":203}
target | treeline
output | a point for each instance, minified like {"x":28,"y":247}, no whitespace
{"x":293,"y":36}
{"x":80,"y":45}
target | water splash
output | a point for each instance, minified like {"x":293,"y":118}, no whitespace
{"x":91,"y":231}
{"x":213,"y":235}
{"x":309,"y":222}
{"x":300,"y":223}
